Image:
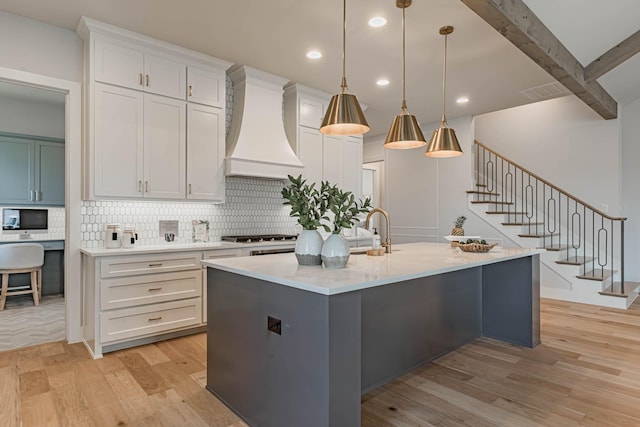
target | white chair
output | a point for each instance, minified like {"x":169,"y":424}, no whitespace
{"x":21,"y":258}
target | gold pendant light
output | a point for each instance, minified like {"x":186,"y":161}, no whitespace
{"x":443,"y":142}
{"x":344,"y":115}
{"x":405,"y":131}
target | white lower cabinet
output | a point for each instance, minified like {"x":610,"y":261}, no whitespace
{"x":134,"y":299}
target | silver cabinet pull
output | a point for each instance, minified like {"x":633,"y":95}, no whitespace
{"x":38,"y":195}
{"x":189,"y":188}
{"x":151,"y":319}
{"x":159,"y":264}
{"x":31,"y":196}
{"x":190,"y":90}
{"x":154,"y":289}
{"x":140,"y":79}
{"x":146,"y":186}
{"x":139,"y":186}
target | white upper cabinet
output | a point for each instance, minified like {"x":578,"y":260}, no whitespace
{"x":122,"y":65}
{"x":165,"y":147}
{"x":137,"y":97}
{"x":311,"y":112}
{"x":337,"y":159}
{"x":205,"y":153}
{"x":205,"y":87}
{"x":118,"y":144}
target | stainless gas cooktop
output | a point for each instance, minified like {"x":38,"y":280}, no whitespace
{"x":259,"y":238}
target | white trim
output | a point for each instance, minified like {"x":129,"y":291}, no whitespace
{"x":73,"y":178}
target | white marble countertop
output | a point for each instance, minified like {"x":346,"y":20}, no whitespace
{"x":408,"y":261}
{"x":182,"y":247}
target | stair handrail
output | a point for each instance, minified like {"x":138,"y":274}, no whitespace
{"x":538,"y":177}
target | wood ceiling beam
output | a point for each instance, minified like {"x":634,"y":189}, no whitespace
{"x":613,"y":57}
{"x":518,"y":24}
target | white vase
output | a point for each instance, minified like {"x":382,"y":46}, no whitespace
{"x":335,"y":252}
{"x":309,"y":247}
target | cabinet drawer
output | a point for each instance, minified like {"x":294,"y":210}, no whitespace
{"x":145,"y":264}
{"x":221,"y":253}
{"x":127,"y":323}
{"x":152,"y":288}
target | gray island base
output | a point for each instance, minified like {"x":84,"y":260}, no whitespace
{"x":337,"y":344}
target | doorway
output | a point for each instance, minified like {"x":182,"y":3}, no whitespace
{"x":71,"y":91}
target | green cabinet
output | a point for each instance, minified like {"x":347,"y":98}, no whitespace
{"x":31,"y":171}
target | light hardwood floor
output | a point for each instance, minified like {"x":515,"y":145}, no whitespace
{"x":585,"y":372}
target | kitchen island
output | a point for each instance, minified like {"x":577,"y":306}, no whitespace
{"x":289,"y":345}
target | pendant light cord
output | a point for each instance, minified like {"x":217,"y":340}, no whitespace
{"x":444,"y":80}
{"x":404,"y":72}
{"x":343,"y":85}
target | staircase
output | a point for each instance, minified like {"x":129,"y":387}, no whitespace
{"x":584,"y":256}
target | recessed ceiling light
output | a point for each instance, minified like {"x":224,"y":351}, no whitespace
{"x":314,"y":54}
{"x":462,"y":100}
{"x":377,"y":21}
{"x":382,"y":82}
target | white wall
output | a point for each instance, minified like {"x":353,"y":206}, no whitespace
{"x":39,"y":48}
{"x":425,"y":195}
{"x":563,"y":141}
{"x":630,"y":153}
{"x":31,"y":118}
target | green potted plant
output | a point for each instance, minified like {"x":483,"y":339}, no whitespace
{"x":345,"y":210}
{"x":309,"y":205}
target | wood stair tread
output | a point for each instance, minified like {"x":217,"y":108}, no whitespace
{"x":555,"y":248}
{"x":493,"y":202}
{"x":629,"y":288}
{"x":597,"y":274}
{"x":504,"y":213}
{"x":574,"y":260}
{"x":485,"y":193}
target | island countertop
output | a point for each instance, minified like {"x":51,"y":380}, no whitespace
{"x":407,"y":261}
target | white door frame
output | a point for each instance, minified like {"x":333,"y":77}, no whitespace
{"x":73,"y":178}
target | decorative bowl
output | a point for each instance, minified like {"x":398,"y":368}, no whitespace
{"x":476,"y":247}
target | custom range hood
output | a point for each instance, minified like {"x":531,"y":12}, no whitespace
{"x":257,"y":145}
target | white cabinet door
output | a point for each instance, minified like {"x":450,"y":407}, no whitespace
{"x":164,"y":76}
{"x":118,"y":156}
{"x":310,"y":153}
{"x":205,"y":152}
{"x":352,"y":167}
{"x":118,"y":64}
{"x":16,"y":170}
{"x":49,"y":173}
{"x":311,"y":112}
{"x":333,"y":159}
{"x":205,"y":87}
{"x":164,"y":147}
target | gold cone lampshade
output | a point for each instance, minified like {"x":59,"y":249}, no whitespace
{"x":405,"y":131}
{"x":444,"y":142}
{"x":344,"y":115}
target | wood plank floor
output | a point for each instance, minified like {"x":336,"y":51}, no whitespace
{"x":585,"y":372}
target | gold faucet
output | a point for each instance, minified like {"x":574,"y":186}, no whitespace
{"x":387,"y":242}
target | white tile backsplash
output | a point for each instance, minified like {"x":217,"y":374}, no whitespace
{"x":253,"y":206}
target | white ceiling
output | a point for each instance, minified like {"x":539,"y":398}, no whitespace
{"x":274,"y":36}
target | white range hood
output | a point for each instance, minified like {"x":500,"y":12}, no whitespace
{"x":257,"y":145}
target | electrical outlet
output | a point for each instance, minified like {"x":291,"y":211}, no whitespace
{"x":274,"y":325}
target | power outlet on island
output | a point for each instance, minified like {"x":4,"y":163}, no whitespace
{"x":274,"y":325}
